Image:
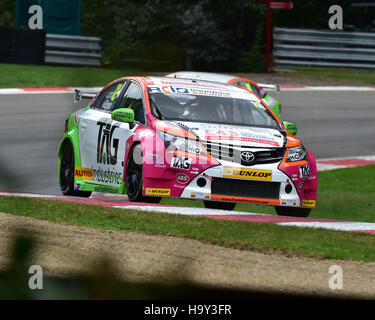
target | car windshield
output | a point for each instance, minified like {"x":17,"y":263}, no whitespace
{"x":211,"y":109}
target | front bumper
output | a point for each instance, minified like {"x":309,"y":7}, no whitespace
{"x":265,"y":184}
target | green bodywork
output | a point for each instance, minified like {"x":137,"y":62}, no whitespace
{"x":290,"y":127}
{"x":275,"y":108}
{"x":72,"y":135}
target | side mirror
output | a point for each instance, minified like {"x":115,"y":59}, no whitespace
{"x":290,"y":127}
{"x":123,"y":115}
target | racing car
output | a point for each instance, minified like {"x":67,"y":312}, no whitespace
{"x":257,"y":88}
{"x":155,"y":137}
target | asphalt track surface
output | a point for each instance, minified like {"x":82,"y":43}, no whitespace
{"x":331,"y":124}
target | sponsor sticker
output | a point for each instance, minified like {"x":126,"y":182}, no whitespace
{"x":200,"y":195}
{"x":243,"y":173}
{"x":83,"y":173}
{"x":288,"y":202}
{"x":106,"y":176}
{"x":309,"y":203}
{"x":180,"y":162}
{"x":182,"y":178}
{"x":304,"y":171}
{"x":180,"y":89}
{"x":78,"y":115}
{"x":158,"y":192}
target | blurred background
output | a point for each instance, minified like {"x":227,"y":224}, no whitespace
{"x":166,"y":35}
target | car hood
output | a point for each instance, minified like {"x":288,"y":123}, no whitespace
{"x":236,"y":135}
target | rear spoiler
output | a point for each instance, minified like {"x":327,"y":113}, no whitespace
{"x":275,"y":87}
{"x":79,"y":95}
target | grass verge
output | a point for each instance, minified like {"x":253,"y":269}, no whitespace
{"x":33,"y":76}
{"x":236,"y":234}
{"x":343,"y":194}
{"x":343,"y":74}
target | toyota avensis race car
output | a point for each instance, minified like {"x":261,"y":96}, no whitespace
{"x":257,"y":88}
{"x":155,"y":137}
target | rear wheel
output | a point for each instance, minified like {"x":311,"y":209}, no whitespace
{"x":134,"y":177}
{"x":292,"y":212}
{"x":219,"y":205}
{"x":67,"y":173}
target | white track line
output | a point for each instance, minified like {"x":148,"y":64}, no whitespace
{"x":187,"y":210}
{"x":341,"y":226}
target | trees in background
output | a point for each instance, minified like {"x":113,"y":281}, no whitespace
{"x":215,"y":35}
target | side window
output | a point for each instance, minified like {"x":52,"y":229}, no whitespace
{"x":107,"y":99}
{"x":133,"y":99}
{"x":250,"y":86}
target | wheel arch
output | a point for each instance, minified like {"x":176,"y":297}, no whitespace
{"x":72,"y":138}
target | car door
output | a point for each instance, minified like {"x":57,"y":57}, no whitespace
{"x":103,"y":140}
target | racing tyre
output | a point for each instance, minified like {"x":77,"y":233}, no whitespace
{"x":134,"y":177}
{"x":292,"y":212}
{"x":67,"y":173}
{"x":219,"y":205}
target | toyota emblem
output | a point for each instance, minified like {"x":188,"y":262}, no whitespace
{"x":247,"y":157}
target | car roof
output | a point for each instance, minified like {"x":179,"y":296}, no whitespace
{"x":210,"y":76}
{"x":191,"y":82}
{"x":155,"y":80}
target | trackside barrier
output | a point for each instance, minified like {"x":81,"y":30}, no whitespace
{"x":72,"y":50}
{"x":305,"y":47}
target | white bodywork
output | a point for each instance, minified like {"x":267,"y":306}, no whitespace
{"x":216,"y":77}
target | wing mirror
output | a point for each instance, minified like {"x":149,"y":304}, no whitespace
{"x":290,"y":127}
{"x":123,"y":115}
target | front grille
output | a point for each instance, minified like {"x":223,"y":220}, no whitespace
{"x":232,"y":153}
{"x":244,"y":188}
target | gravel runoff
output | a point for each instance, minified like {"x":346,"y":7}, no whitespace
{"x":65,"y":249}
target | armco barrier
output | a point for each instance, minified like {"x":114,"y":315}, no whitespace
{"x":305,"y":47}
{"x":72,"y":50}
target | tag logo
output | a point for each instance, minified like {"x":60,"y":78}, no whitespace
{"x":106,"y":143}
{"x":180,"y":162}
{"x":304,"y":171}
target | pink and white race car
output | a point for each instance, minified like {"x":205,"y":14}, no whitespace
{"x":154,"y":137}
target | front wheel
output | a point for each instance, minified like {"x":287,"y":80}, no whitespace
{"x":293,"y":212}
{"x":219,"y":205}
{"x":67,"y":173}
{"x":134,"y":177}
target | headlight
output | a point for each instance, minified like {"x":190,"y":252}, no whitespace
{"x":173,"y":142}
{"x":297,"y":154}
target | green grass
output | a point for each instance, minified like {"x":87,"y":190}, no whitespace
{"x":346,"y":194}
{"x":343,"y":74}
{"x":343,"y":194}
{"x":236,"y":234}
{"x":32,"y":76}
